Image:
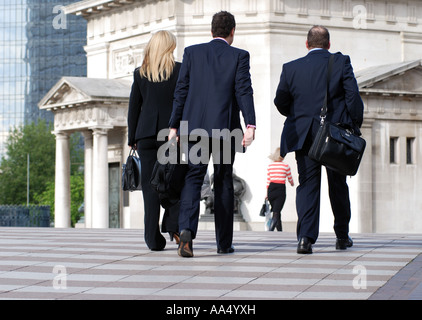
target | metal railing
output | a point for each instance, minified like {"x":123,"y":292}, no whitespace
{"x":24,"y":216}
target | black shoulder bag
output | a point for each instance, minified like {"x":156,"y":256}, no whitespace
{"x":335,"y":145}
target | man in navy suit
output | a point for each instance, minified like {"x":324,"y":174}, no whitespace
{"x":214,"y":86}
{"x":299,"y":97}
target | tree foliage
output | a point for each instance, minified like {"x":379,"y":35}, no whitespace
{"x":77,"y":197}
{"x":37,"y":141}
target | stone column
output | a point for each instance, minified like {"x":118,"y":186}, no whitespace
{"x":62,"y":181}
{"x":100,"y":214}
{"x":88,"y":179}
{"x":365,"y":182}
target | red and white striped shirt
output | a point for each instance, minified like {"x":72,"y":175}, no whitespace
{"x":278,"y":172}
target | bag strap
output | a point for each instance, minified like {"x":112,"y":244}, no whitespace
{"x":324,"y":107}
{"x":133,"y":152}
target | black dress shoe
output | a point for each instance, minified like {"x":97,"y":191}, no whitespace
{"x":158,"y":245}
{"x":343,"y":244}
{"x":304,"y":246}
{"x":227,"y":250}
{"x":185,"y":244}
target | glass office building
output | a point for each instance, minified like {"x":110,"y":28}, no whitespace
{"x":38,"y":46}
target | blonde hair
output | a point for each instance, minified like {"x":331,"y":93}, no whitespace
{"x":159,"y":61}
{"x":276,"y":156}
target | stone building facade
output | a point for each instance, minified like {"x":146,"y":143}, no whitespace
{"x":383,"y":39}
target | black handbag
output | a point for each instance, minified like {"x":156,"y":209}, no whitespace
{"x":265,"y":209}
{"x":168,"y":179}
{"x":131,"y":172}
{"x":336,"y":146}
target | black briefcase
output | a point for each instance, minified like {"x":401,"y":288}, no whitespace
{"x":338,"y":148}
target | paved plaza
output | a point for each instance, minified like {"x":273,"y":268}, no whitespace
{"x":103,"y":264}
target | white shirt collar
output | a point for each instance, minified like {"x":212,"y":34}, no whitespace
{"x":221,"y":39}
{"x":314,"y":49}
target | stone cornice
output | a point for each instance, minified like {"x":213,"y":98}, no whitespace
{"x":390,"y":93}
{"x":70,"y":92}
{"x":90,"y":116}
{"x":89,"y":7}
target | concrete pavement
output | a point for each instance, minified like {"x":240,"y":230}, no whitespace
{"x":103,"y":264}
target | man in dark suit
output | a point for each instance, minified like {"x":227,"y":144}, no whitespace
{"x":299,"y":97}
{"x":214,"y":86}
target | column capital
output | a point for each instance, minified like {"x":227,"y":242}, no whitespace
{"x":368,"y":123}
{"x":100,"y":130}
{"x":61,"y":134}
{"x":87,"y":134}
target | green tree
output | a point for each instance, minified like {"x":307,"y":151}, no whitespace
{"x":36,"y":141}
{"x":76,"y":194}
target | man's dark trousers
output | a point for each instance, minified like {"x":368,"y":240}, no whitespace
{"x":308,"y":198}
{"x":223,"y":194}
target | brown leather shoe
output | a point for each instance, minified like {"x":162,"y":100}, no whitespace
{"x":175,"y":236}
{"x":185,"y":245}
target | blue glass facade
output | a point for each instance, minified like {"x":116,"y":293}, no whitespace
{"x":38,"y":45}
{"x":13,"y":68}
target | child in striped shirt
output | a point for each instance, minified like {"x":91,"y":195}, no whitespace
{"x":277,"y":173}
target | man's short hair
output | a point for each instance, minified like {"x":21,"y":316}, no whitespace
{"x":319,"y":37}
{"x":222,"y":24}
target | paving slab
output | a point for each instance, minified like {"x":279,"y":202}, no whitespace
{"x":110,"y":264}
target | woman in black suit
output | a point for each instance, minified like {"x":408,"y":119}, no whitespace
{"x":150,"y":107}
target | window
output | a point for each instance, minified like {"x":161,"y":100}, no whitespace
{"x":410,"y":153}
{"x":394,"y":150}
